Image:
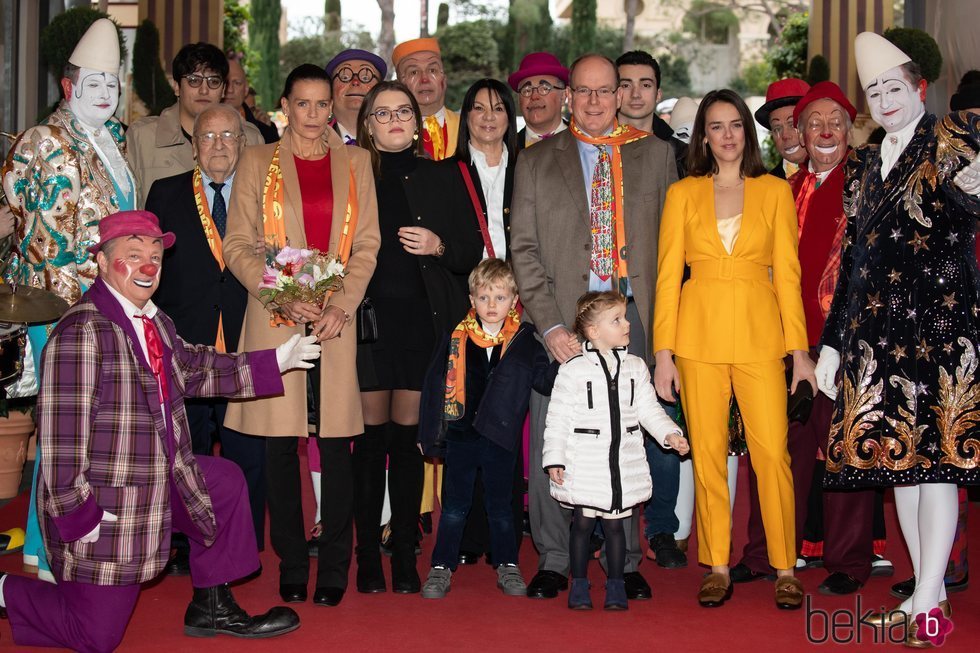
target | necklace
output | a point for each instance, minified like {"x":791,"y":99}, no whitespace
{"x":717,"y":185}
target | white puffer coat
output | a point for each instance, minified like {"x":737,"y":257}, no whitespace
{"x":593,"y":430}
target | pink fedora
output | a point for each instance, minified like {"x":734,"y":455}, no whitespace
{"x":538,"y":63}
{"x":131,"y":223}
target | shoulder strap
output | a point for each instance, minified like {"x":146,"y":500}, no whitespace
{"x":477,"y":207}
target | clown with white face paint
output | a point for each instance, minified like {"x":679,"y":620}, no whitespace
{"x":904,"y":324}
{"x":61,"y":178}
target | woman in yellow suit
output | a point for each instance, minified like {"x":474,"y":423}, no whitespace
{"x":728,"y":329}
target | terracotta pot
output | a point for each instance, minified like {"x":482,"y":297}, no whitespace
{"x":15,"y":430}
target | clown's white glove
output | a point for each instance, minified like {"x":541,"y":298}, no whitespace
{"x":297,"y":352}
{"x":826,"y":371}
{"x":968,"y":179}
{"x":93,"y":535}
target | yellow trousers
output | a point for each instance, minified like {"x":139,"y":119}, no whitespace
{"x":760,"y":389}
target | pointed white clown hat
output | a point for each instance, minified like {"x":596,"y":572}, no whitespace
{"x":98,"y":48}
{"x":874,"y":55}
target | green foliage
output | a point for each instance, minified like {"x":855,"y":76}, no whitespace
{"x":675,"y":81}
{"x":318,"y":48}
{"x":607,"y":41}
{"x":787,"y":56}
{"x":528,"y":30}
{"x":331,"y":11}
{"x":61,"y":35}
{"x":469,"y":52}
{"x":753,"y":80}
{"x":583,"y":28}
{"x":263,"y":31}
{"x":710,"y":21}
{"x":235,"y":20}
{"x":920,"y":47}
{"x":819,"y":70}
{"x":149,"y":80}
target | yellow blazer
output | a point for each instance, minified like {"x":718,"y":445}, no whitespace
{"x":452,"y":132}
{"x":740,"y":308}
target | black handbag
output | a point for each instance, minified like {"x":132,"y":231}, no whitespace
{"x":367,"y":323}
{"x":800,"y":403}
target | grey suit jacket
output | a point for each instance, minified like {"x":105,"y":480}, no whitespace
{"x":551,"y":236}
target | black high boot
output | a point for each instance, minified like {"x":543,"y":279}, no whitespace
{"x":214,"y":611}
{"x":405,"y":478}
{"x":368,"y":460}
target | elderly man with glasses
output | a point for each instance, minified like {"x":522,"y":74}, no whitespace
{"x":352,"y":73}
{"x":540,"y":83}
{"x":160,"y":146}
{"x":206,"y":302}
{"x":602,"y":186}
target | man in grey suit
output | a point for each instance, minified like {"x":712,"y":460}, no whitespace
{"x":553,"y":227}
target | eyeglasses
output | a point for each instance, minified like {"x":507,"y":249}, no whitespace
{"x":544,"y":88}
{"x":365,"y":74}
{"x":194,"y":80}
{"x":210,"y":138}
{"x":384,"y":116}
{"x":584,"y":92}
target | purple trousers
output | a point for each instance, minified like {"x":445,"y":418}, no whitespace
{"x":848,"y":514}
{"x":93,"y":618}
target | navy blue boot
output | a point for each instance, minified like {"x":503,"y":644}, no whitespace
{"x":578,"y":595}
{"x":615,"y":595}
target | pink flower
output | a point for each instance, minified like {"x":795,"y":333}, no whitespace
{"x":269,"y":278}
{"x":290,"y":255}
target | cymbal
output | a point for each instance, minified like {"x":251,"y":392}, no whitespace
{"x":30,"y":305}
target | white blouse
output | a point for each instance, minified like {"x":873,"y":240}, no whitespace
{"x":492,"y":180}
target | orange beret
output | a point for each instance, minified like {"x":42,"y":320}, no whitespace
{"x":407,"y":48}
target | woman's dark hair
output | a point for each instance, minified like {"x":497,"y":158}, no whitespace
{"x":700,"y":161}
{"x":364,"y":138}
{"x":198,"y":57}
{"x":306,"y":72}
{"x":503,"y":93}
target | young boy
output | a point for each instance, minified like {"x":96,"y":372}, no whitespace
{"x":474,"y":401}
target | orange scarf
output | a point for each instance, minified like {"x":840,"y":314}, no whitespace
{"x":274,"y":227}
{"x":455,"y":402}
{"x":214,"y":241}
{"x":621,"y":135}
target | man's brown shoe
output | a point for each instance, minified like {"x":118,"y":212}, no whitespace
{"x":789,"y":593}
{"x":715,"y":590}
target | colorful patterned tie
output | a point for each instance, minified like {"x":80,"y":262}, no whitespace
{"x":601,"y":216}
{"x":790,"y":168}
{"x":219,"y":212}
{"x":154,"y":350}
{"x":434,"y":131}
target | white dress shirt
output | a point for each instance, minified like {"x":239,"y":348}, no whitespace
{"x":492,"y":180}
{"x":895,"y":143}
{"x":135,"y":316}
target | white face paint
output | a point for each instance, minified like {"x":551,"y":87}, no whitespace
{"x":893,"y":100}
{"x":95,"y":97}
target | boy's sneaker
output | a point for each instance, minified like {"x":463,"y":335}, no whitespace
{"x":437,"y":584}
{"x":510,"y":581}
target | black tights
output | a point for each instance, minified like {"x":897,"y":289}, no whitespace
{"x":580,"y":549}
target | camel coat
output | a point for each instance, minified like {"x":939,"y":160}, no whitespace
{"x":340,"y":400}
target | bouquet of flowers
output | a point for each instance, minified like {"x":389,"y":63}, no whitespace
{"x":305,"y":275}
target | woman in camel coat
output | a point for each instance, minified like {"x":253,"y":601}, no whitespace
{"x":316,"y":172}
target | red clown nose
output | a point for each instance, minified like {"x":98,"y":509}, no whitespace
{"x":150,"y":269}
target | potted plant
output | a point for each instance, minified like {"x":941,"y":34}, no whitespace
{"x":16,"y":428}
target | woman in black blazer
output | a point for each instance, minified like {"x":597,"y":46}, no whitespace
{"x":419,"y":292}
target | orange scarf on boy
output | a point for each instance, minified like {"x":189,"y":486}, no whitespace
{"x":455,"y":403}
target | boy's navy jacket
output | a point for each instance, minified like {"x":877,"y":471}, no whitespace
{"x":499,"y":417}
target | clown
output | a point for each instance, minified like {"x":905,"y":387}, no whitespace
{"x":904,"y":324}
{"x":61,"y":178}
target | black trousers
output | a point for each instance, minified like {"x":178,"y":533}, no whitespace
{"x":476,"y":534}
{"x":287,"y":526}
{"x":206,"y":418}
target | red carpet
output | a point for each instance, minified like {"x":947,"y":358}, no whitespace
{"x":475,"y":616}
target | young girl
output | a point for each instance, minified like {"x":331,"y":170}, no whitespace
{"x":593,"y":444}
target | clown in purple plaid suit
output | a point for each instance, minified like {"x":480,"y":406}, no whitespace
{"x":118,"y":472}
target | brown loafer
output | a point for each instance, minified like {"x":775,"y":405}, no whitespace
{"x":789,"y":593}
{"x":715,"y":590}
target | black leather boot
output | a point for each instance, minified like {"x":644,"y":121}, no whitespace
{"x":214,"y":611}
